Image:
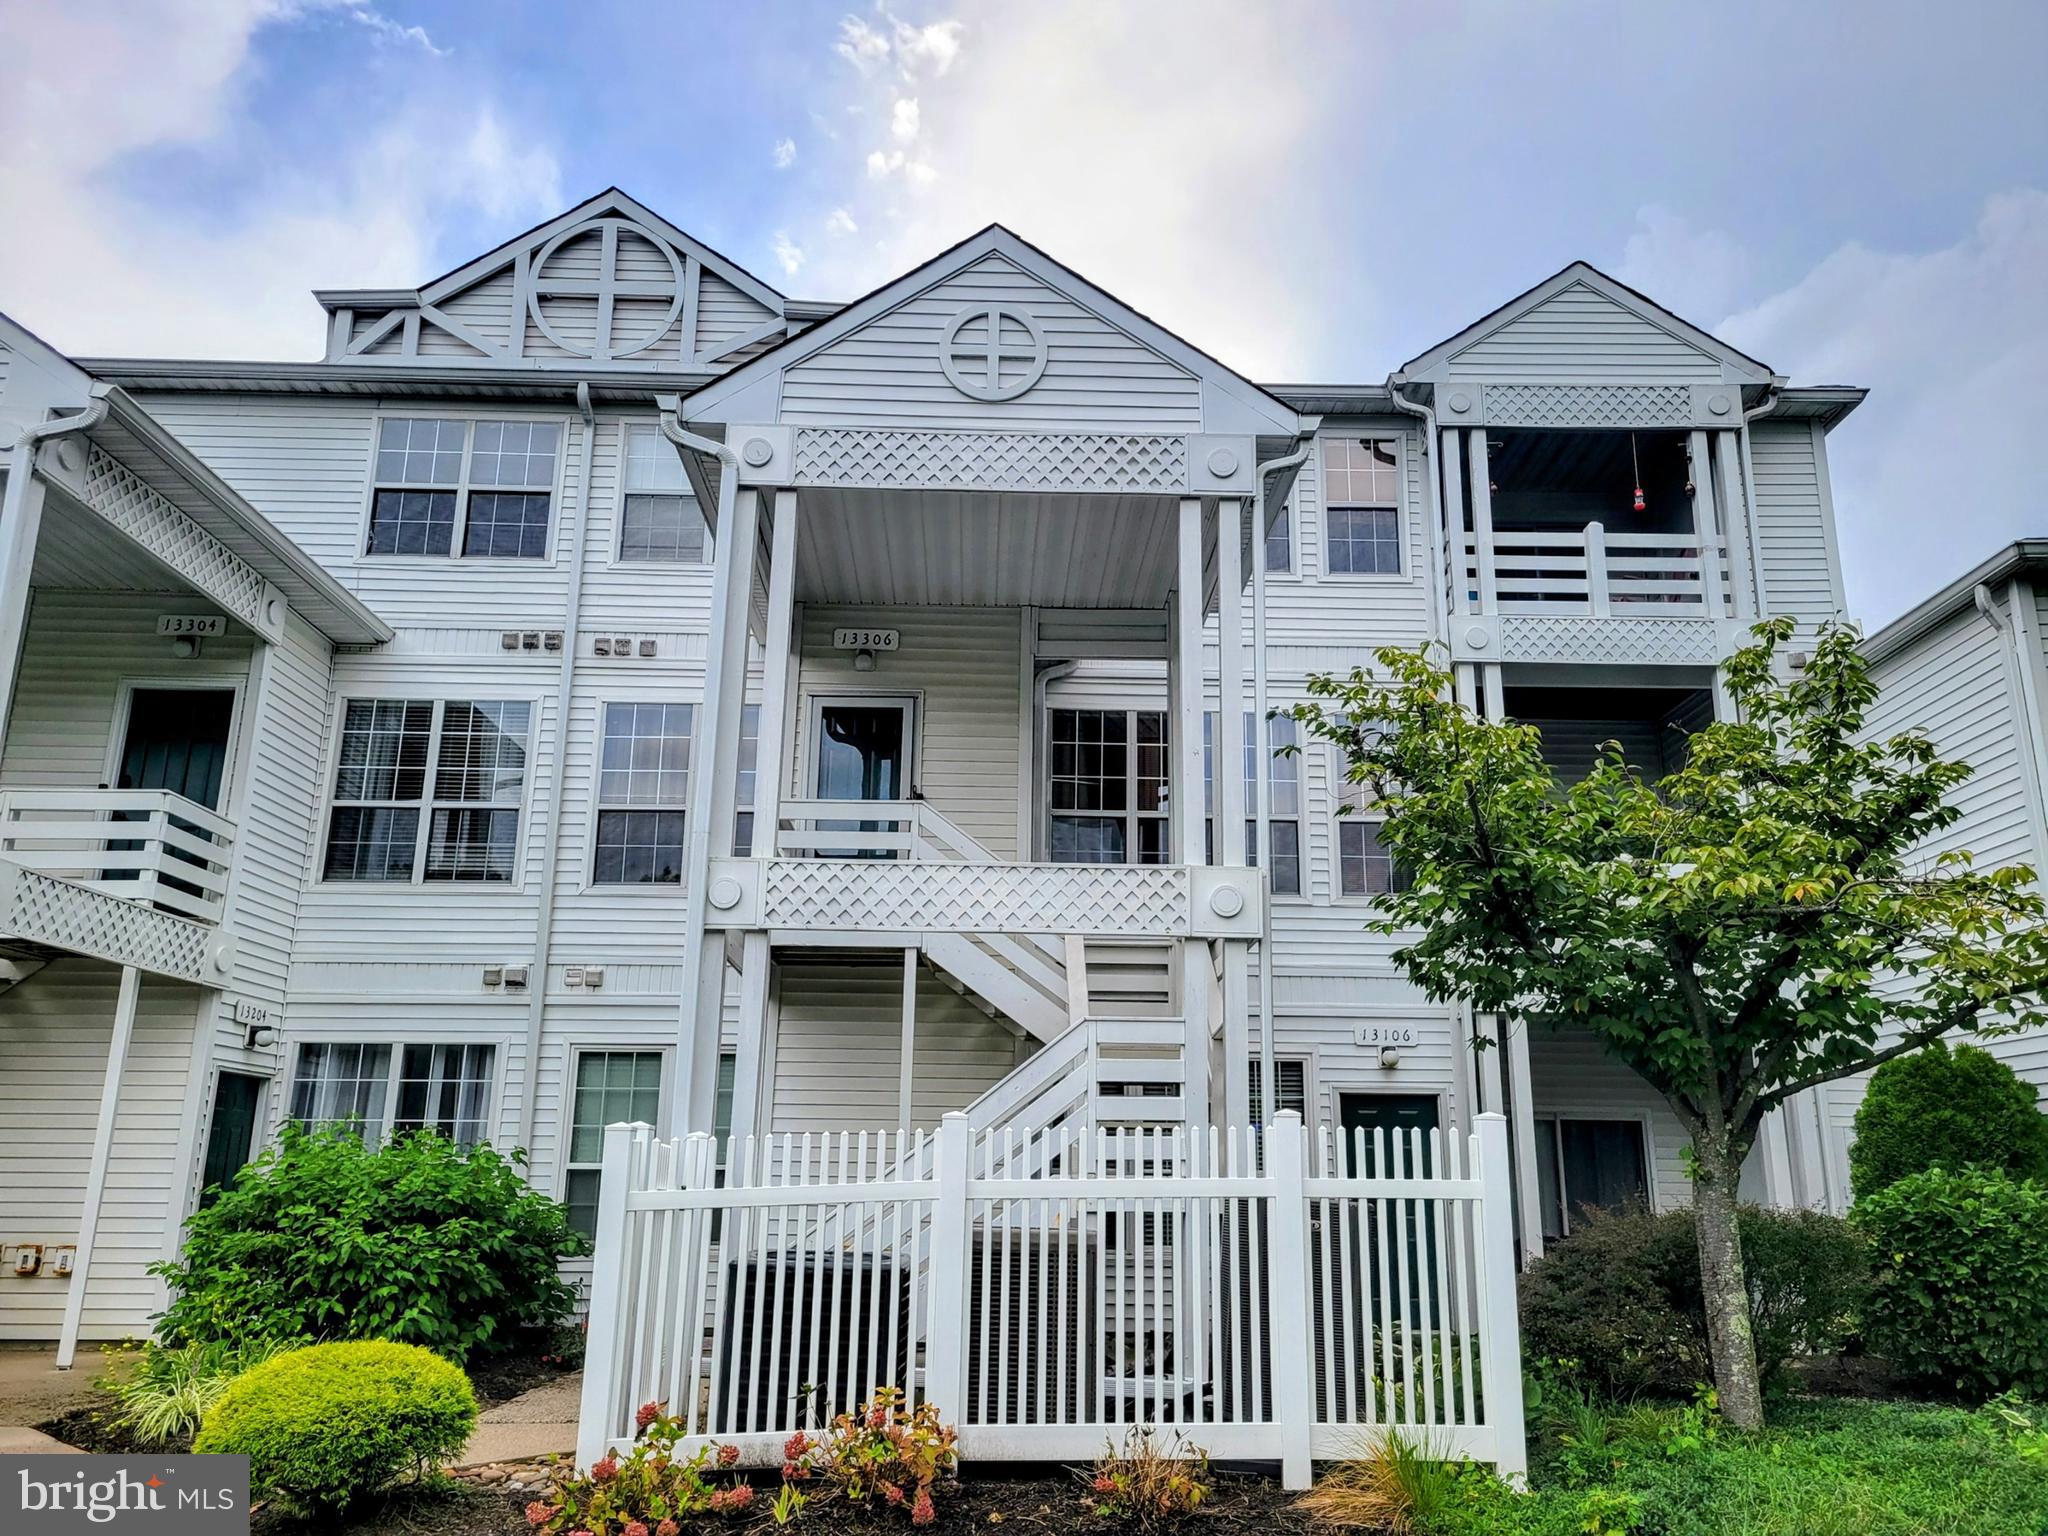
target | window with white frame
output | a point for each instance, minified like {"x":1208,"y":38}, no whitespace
{"x":1290,"y":1086}
{"x":1366,"y":866}
{"x":659,"y":518}
{"x":1280,"y":539}
{"x":378,"y":1090}
{"x":1588,"y":1165}
{"x":483,"y":487}
{"x":1362,"y":506}
{"x":427,"y":790}
{"x":611,"y":1088}
{"x":1284,"y":786}
{"x":1107,"y":775}
{"x":643,"y":791}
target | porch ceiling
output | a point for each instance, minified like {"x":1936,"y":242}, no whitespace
{"x":985,"y":549}
{"x":79,"y":551}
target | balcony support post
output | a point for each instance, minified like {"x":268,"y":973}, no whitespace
{"x":1184,"y":733}
{"x":712,"y":807}
{"x":102,"y":1155}
{"x":1596,"y":568}
{"x":21,"y":521}
{"x":1708,"y":527}
{"x":1231,"y":745}
{"x":1742,"y":553}
{"x":1454,"y":520}
{"x":905,"y":1067}
{"x":1482,"y":522}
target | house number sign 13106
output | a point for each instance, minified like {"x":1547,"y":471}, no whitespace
{"x":864,"y":639}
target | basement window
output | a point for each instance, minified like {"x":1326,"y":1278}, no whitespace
{"x":427,"y":791}
{"x":485,"y":488}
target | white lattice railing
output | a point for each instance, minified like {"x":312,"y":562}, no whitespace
{"x":1043,"y":900}
{"x":1282,"y":1300}
{"x":146,"y":845}
{"x":1595,"y":572}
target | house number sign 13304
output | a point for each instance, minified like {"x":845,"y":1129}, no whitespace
{"x":198,"y":625}
{"x":864,"y":639}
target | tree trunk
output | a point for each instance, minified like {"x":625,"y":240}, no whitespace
{"x":1723,"y":1284}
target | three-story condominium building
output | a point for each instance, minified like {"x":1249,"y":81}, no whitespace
{"x":604,"y":688}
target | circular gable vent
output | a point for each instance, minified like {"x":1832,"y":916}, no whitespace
{"x":993,"y":351}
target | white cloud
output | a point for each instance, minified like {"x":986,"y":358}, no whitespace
{"x":1075,"y":124}
{"x":785,"y":154}
{"x":385,"y":29}
{"x":109,"y":271}
{"x":1931,"y":474}
{"x":840,"y":222}
{"x":903,"y":120}
{"x":788,"y":253}
{"x":1698,"y":273}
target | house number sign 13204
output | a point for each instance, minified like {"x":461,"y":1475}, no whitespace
{"x":864,"y":639}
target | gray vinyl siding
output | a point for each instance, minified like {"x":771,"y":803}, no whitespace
{"x":1795,"y":525}
{"x":1097,"y":378}
{"x":839,"y":1048}
{"x":55,"y":1031}
{"x":1581,"y":336}
{"x":723,"y":313}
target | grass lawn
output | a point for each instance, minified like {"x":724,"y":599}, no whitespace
{"x":1835,"y":1468}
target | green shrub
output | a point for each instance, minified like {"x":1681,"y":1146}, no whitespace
{"x":416,"y":1240}
{"x":166,"y":1395}
{"x":326,"y":1425}
{"x":1943,"y":1108}
{"x":1960,"y":1292}
{"x":1620,"y":1298}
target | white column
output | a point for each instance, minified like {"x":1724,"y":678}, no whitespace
{"x":1185,"y":728}
{"x":714,"y":751}
{"x":1596,"y":568}
{"x":908,"y":1049}
{"x":1292,"y":1295}
{"x":1742,"y":554}
{"x":1522,"y":1103}
{"x":1500,"y":1347}
{"x":1482,"y":522}
{"x":102,"y":1153}
{"x":1237,"y":1039}
{"x":945,"y":1376}
{"x":21,"y":520}
{"x":1454,"y":519}
{"x":1707,"y":526}
{"x":1230,"y":707}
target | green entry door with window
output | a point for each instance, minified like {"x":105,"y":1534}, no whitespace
{"x":230,"y":1132}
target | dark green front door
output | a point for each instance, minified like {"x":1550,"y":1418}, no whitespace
{"x":177,"y":739}
{"x":231,"y":1134}
{"x":1412,"y":1156}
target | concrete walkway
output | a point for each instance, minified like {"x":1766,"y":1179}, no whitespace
{"x":537,"y":1423}
{"x":32,"y":1390}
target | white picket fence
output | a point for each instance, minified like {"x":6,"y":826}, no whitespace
{"x":1287,"y":1301}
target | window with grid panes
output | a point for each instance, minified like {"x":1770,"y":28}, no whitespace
{"x":1107,"y":772}
{"x":1280,"y":539}
{"x":1290,"y":1079}
{"x":380,"y":1089}
{"x":743,"y":782}
{"x":611,"y":1088}
{"x":1365,"y":865}
{"x":643,"y":790}
{"x":1361,"y":506}
{"x":659,"y":518}
{"x":1284,"y":787}
{"x":493,"y":480}
{"x":427,"y":790}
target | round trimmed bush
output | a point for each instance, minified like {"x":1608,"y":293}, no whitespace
{"x":1960,"y":1293}
{"x":325,"y":1425}
{"x":1621,"y":1296}
{"x":1946,"y":1108}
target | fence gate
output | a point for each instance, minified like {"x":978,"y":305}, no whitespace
{"x":1047,"y":1289}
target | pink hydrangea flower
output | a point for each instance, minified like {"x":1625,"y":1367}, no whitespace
{"x":538,"y":1513}
{"x":648,"y":1413}
{"x":604,"y":1471}
{"x":728,"y":1455}
{"x":636,"y":1528}
{"x":922,"y":1512}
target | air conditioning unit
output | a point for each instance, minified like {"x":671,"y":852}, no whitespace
{"x":1038,"y":1289}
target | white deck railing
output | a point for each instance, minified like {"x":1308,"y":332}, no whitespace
{"x":147,"y":845}
{"x":1263,"y":1298}
{"x":1593,"y":571}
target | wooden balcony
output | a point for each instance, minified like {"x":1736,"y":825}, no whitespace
{"x":136,"y":877}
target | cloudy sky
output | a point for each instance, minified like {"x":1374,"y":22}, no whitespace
{"x":1857,"y":192}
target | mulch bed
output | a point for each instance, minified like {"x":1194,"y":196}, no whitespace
{"x":1021,"y":1500}
{"x":92,"y":1429}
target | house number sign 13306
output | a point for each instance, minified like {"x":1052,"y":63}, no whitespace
{"x":864,"y":639}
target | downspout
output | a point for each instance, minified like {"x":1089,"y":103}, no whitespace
{"x":62,"y":426}
{"x":551,"y":837}
{"x":1262,"y":792}
{"x":1751,"y":534}
{"x":697,"y":840}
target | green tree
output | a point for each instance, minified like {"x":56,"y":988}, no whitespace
{"x":1753,"y":924}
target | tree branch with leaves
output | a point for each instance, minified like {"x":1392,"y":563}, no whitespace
{"x":1759,"y":921}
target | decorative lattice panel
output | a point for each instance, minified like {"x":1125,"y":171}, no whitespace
{"x":47,"y":910}
{"x":991,"y":461}
{"x":1588,"y":405}
{"x":120,"y":496}
{"x":1646,"y":641}
{"x":977,"y":898}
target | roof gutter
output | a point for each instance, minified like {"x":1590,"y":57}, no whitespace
{"x":558,"y":757}
{"x":1262,"y":781}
